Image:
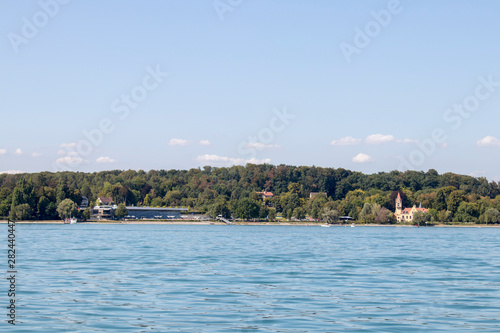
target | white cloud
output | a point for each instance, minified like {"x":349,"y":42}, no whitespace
{"x":68,"y":145}
{"x":229,"y":160}
{"x":67,"y":152}
{"x":362,"y":158}
{"x":36,"y":154}
{"x":105,"y":159}
{"x":379,"y":138}
{"x":444,"y":145}
{"x":12,"y":172}
{"x":178,"y":142}
{"x":3,"y":151}
{"x":205,"y":143}
{"x":19,"y":151}
{"x":477,"y":173}
{"x":253,"y":160}
{"x":69,"y":160}
{"x":347,"y":141}
{"x":407,"y":141}
{"x":260,"y":145}
{"x":489,"y":141}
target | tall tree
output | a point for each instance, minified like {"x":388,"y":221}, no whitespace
{"x":366,"y":211}
{"x":247,"y":208}
{"x":299,"y":213}
{"x":21,"y":212}
{"x":454,"y":200}
{"x":492,"y":215}
{"x":384,"y":216}
{"x":121,"y":211}
{"x":219,"y":207}
{"x":24,"y":193}
{"x":62,"y":191}
{"x":66,"y":209}
{"x":421,"y":218}
{"x":315,"y":206}
{"x":440,"y":200}
{"x":330,"y":215}
{"x":43,"y":203}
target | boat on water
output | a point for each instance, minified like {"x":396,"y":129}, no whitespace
{"x":325,"y":225}
{"x":353,"y":225}
{"x":71,"y":220}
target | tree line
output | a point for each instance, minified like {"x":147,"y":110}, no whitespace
{"x":232,"y":191}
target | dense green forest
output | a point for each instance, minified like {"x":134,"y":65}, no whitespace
{"x":233,"y":191}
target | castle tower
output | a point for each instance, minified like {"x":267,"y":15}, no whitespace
{"x":399,"y":205}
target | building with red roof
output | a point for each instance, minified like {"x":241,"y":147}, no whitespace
{"x":406,"y":214}
{"x":266,"y":195}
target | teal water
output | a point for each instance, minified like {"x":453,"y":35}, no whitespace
{"x":184,"y":278}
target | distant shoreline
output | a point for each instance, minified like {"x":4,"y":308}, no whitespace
{"x":310,"y":224}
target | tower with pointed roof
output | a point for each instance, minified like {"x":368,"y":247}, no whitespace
{"x":399,"y":204}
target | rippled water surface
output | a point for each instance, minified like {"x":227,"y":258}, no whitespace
{"x":185,"y":278}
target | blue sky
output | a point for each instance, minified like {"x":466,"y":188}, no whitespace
{"x":364,"y":85}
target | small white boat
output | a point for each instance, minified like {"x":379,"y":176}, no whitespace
{"x":72,"y":220}
{"x":325,"y":225}
{"x":353,"y":225}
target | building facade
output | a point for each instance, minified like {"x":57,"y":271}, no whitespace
{"x":106,"y":212}
{"x":153,"y":213}
{"x":406,"y":214}
{"x":103,"y":212}
{"x":266,"y":195}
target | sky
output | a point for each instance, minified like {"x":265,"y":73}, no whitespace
{"x":369,"y":86}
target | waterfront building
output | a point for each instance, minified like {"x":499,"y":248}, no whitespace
{"x":107,"y":212}
{"x":154,"y":213}
{"x":103,"y":212}
{"x":406,"y":214}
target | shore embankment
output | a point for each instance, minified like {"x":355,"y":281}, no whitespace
{"x":292,"y":223}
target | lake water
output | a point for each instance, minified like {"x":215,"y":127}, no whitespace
{"x":185,"y":278}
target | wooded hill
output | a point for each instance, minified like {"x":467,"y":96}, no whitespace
{"x":232,"y":191}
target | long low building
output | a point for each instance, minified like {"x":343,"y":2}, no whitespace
{"x":152,"y":213}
